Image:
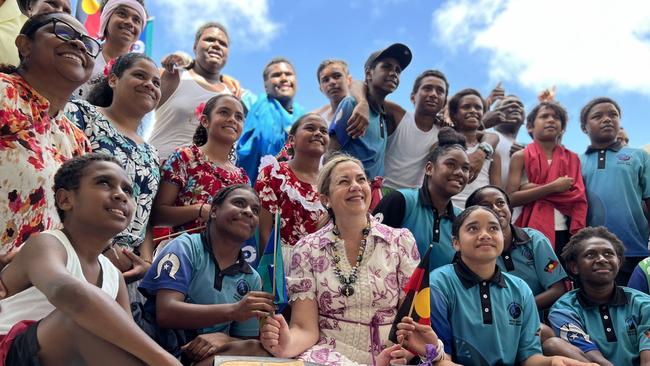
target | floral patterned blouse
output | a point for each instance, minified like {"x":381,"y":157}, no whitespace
{"x":197,"y":178}
{"x":300,"y":208}
{"x":33,"y":146}
{"x":139,"y":160}
{"x":352,"y":329}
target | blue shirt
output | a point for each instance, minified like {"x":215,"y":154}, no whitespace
{"x":640,"y":277}
{"x":266,"y":129}
{"x":620,"y":329}
{"x":617,"y":179}
{"x":412,"y":209}
{"x":369,"y":148}
{"x":187,"y":265}
{"x":483,"y":322}
{"x":531,"y":258}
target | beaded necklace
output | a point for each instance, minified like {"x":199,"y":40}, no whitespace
{"x":346,"y":289}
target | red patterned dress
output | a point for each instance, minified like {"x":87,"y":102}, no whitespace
{"x":279,"y":188}
{"x":197,"y":178}
{"x":33,"y":146}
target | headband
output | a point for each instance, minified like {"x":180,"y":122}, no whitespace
{"x":110,"y":8}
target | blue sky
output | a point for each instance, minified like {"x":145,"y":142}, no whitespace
{"x":587,"y":48}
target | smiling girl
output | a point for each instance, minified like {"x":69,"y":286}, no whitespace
{"x":289,"y":188}
{"x":466,"y":110}
{"x":110,"y":120}
{"x":483,"y":315}
{"x":193,"y":174}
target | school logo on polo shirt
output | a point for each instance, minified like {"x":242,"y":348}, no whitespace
{"x":169,"y":264}
{"x":528,"y":254}
{"x":551,"y":265}
{"x":514,"y":310}
{"x":630,"y":324}
{"x":623,"y":158}
{"x":242,"y":288}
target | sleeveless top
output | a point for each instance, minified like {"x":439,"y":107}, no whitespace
{"x":407,"y":150}
{"x":31,"y":304}
{"x":176,"y":120}
{"x":482,"y":180}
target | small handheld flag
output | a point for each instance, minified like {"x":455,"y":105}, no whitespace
{"x":271,"y":268}
{"x":417,"y":303}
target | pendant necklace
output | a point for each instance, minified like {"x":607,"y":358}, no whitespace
{"x":346,"y":282}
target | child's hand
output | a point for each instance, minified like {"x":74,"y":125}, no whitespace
{"x":563,"y":184}
{"x":139,"y":268}
{"x":205,"y":345}
{"x":393,"y":355}
{"x":274,"y":335}
{"x":415,"y":336}
{"x":255,"y":304}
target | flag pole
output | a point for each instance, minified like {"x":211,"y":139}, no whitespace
{"x":276,"y":235}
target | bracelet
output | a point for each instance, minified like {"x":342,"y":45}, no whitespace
{"x":434,"y":353}
{"x":201,"y":210}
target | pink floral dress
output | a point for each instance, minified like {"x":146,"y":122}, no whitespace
{"x":352,"y":329}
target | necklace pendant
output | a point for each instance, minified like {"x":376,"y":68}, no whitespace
{"x":347,"y":290}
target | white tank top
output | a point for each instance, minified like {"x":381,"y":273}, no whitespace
{"x":407,"y":150}
{"x":503,"y":148}
{"x":482,"y":180}
{"x":31,"y":304}
{"x":176,"y":121}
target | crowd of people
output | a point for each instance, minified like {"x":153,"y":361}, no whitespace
{"x":119,"y":250}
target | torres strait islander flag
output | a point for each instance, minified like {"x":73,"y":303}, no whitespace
{"x":417,"y":303}
{"x":88,"y":12}
{"x":271,"y":268}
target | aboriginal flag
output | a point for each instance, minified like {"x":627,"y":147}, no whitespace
{"x":417,"y":303}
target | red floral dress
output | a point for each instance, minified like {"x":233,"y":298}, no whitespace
{"x":300,"y":208}
{"x":197,"y":178}
{"x":33,"y":146}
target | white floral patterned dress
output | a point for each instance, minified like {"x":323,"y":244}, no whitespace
{"x":352,"y":329}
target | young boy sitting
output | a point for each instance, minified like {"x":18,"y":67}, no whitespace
{"x":63,"y":302}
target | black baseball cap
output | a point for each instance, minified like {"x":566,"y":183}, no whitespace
{"x":398,"y":51}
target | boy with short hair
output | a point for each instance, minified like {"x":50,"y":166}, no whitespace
{"x":334,"y":81}
{"x":382,"y":72}
{"x":617,"y":179}
{"x":602,"y":322}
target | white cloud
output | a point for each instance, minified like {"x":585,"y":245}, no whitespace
{"x":247,"y":21}
{"x":571,"y":44}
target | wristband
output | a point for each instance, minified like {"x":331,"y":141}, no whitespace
{"x":487,"y":149}
{"x":434,"y":353}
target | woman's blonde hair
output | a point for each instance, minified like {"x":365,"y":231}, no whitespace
{"x":325,"y":179}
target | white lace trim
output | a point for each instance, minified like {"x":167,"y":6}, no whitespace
{"x":291,"y":192}
{"x":303,"y":296}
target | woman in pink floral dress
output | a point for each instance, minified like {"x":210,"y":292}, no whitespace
{"x":345,"y":280}
{"x":290,"y":187}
